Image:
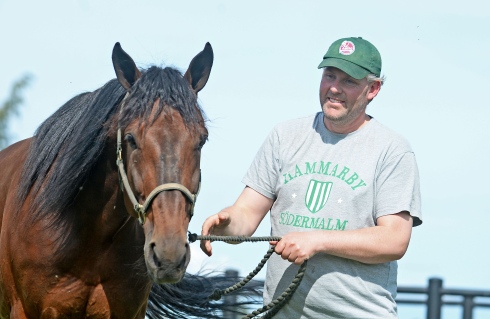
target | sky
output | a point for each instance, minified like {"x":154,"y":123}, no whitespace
{"x":435,"y":59}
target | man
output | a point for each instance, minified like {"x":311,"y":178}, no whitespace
{"x":343,"y":192}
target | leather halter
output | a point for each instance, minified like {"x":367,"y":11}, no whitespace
{"x":138,"y":208}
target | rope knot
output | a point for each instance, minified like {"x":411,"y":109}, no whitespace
{"x":192,"y":237}
{"x":216,"y":295}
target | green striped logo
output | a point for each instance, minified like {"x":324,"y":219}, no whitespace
{"x":317,"y":195}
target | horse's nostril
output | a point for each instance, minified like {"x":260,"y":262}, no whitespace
{"x":154,"y":255}
{"x":183,"y":261}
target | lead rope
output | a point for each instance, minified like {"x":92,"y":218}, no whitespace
{"x":275,"y":305}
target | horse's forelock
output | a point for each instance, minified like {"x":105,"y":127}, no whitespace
{"x":169,"y":87}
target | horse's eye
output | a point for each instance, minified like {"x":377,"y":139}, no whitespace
{"x":202,"y":141}
{"x":131,"y":141}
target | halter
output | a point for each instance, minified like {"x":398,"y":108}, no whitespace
{"x":138,"y":208}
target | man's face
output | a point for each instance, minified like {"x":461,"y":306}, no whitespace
{"x":343,"y":98}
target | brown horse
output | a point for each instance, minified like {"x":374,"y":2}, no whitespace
{"x":73,"y":243}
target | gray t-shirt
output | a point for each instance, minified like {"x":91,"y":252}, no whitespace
{"x":320,"y":180}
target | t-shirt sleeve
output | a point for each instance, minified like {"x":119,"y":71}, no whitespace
{"x":398,"y":188}
{"x":262,"y":175}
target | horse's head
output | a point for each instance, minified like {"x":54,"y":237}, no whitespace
{"x":162,"y":132}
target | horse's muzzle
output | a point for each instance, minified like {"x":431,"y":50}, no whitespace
{"x":167,"y":265}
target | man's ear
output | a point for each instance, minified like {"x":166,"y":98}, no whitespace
{"x":373,"y":90}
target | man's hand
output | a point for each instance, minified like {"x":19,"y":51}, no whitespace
{"x":246,"y":214}
{"x":297,"y":247}
{"x":214,"y":225}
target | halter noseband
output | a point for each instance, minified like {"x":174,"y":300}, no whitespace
{"x":138,"y":208}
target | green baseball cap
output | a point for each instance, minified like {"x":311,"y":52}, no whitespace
{"x":355,"y":56}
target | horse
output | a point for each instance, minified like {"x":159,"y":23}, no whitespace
{"x":96,"y":205}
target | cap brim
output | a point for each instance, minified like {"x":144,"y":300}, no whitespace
{"x":350,"y":68}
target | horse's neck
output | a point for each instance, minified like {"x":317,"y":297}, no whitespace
{"x":102,"y":203}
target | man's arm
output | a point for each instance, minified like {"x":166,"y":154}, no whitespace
{"x":241,"y":219}
{"x":387,"y":241}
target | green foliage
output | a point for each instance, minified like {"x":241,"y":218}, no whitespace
{"x":11,"y":106}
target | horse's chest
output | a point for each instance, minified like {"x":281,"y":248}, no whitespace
{"x":98,"y":304}
{"x":76,"y":301}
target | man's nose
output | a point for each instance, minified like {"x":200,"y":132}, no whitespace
{"x":335,"y":87}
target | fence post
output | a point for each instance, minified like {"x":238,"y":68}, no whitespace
{"x":468,"y":307}
{"x":434,"y":301}
{"x":230,"y":299}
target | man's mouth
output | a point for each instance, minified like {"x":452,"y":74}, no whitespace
{"x":334,"y":100}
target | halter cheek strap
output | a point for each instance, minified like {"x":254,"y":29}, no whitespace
{"x":138,"y":208}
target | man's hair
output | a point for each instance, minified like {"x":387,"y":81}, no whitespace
{"x":372,"y":78}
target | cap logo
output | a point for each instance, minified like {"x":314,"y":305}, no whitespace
{"x":347,"y":48}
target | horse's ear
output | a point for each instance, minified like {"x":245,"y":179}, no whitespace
{"x":126,"y":71}
{"x":199,"y":69}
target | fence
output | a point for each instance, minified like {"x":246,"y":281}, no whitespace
{"x":435,"y":300}
{"x":432,"y":298}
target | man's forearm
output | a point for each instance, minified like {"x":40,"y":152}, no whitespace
{"x":385,"y":242}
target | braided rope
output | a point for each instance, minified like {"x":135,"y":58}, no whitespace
{"x":275,"y":305}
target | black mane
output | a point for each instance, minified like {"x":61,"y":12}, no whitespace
{"x":66,"y":146}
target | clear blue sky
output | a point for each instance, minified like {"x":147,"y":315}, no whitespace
{"x":435,"y":57}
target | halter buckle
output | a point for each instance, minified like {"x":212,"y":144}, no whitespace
{"x":139,"y":209}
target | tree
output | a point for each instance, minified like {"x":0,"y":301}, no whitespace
{"x":11,"y":106}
